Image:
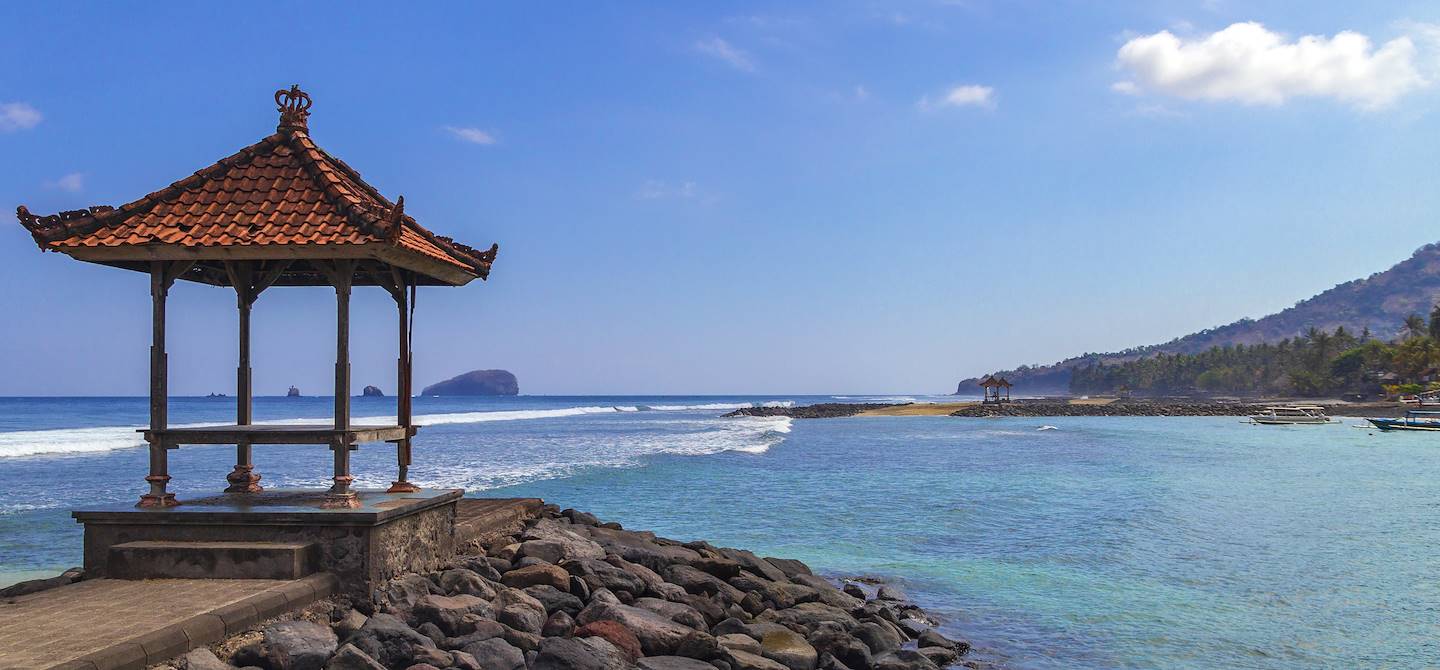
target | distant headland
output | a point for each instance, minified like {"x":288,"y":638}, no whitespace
{"x":476,"y":382}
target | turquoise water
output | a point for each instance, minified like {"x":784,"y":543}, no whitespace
{"x":1104,"y":543}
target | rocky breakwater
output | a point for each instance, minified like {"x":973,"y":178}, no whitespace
{"x":828,"y":410}
{"x":1039,"y":409}
{"x":571,"y":593}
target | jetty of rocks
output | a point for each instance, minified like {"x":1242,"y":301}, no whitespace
{"x":568,"y":592}
{"x":827,"y":410}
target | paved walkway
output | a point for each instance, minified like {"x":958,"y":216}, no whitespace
{"x":105,"y":624}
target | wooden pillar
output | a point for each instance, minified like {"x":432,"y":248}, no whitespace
{"x":159,"y":476}
{"x":403,"y":390}
{"x":243,"y":478}
{"x":340,"y":494}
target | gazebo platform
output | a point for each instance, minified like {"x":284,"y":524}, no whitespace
{"x":276,"y":534}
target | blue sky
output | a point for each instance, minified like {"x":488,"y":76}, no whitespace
{"x":828,"y":197}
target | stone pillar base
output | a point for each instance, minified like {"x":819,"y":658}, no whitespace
{"x":163,"y":500}
{"x":243,"y":480}
{"x":402,"y":487}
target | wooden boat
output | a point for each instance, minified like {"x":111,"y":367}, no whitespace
{"x":1415,"y":419}
{"x":1290,"y":415}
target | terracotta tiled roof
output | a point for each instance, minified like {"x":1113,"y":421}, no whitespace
{"x":282,"y":190}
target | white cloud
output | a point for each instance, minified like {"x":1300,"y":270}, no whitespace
{"x":471,"y":135}
{"x":968,"y":95}
{"x":862,"y":93}
{"x":724,"y":51}
{"x":72,"y":183}
{"x":1250,"y":64}
{"x":18,"y":116}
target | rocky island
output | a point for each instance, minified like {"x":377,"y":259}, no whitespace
{"x":567,"y":592}
{"x":372,"y":392}
{"x":476,"y":382}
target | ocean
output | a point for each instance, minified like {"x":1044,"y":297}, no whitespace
{"x":1083,"y":542}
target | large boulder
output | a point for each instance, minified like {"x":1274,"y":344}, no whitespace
{"x":559,"y":624}
{"x":298,"y":645}
{"x":615,"y":633}
{"x":739,"y":641}
{"x":557,"y":542}
{"x":642,"y":548}
{"x":598,"y":574}
{"x":388,"y":640}
{"x":808,"y":615}
{"x":789,"y":566}
{"x":397,"y":595}
{"x":789,"y":649}
{"x":831,"y":639}
{"x":745,"y":660}
{"x":693,"y":580}
{"x":700,"y":645}
{"x":496,"y":654}
{"x":827,"y":593}
{"x":932,"y":638}
{"x":452,"y":614}
{"x":677,"y":612}
{"x":755,"y":564}
{"x":543,"y":573}
{"x":462,"y":581}
{"x":567,"y":653}
{"x":349,"y":657}
{"x":658,"y":635}
{"x":555,"y":599}
{"x":940,"y":656}
{"x":879,"y":639}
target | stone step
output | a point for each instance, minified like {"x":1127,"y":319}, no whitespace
{"x":151,"y":559}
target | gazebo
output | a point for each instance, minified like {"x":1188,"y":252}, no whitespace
{"x":280,"y":212}
{"x":993,"y":386}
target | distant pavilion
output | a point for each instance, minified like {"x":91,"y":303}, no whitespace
{"x":280,"y":212}
{"x":993,"y":388}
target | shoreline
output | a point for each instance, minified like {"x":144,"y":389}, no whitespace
{"x":1073,"y":407}
{"x":565,"y":591}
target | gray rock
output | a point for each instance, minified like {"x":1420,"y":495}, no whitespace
{"x":572,"y":545}
{"x":549,"y":551}
{"x":744,"y":660}
{"x":807,"y":615}
{"x":540,"y":573}
{"x":789,"y":566}
{"x":451,"y":613}
{"x":397,"y":595}
{"x":914,"y":627}
{"x":940,"y":656}
{"x":522,"y":617}
{"x":789,"y":649}
{"x":700,"y":645}
{"x":464,"y":661}
{"x":526,"y":642}
{"x":582,"y":518}
{"x":200,"y":659}
{"x":677,"y":612}
{"x":853,"y":590}
{"x":833,"y":640}
{"x":758,"y":629}
{"x":434,"y":657}
{"x":349,"y":657}
{"x":878,"y":638}
{"x":932,"y":638}
{"x":485,"y":629}
{"x":298,"y":645}
{"x":739,"y":641}
{"x":461,"y":581}
{"x":422,"y":666}
{"x":658,"y":635}
{"x":755,"y":564}
{"x":693,"y":581}
{"x":559,"y":624}
{"x":496,"y":654}
{"x":579,"y":588}
{"x":598,"y":574}
{"x":641,"y":548}
{"x":722,"y":568}
{"x":652,"y":579}
{"x":828,"y":593}
{"x":590,"y":653}
{"x":891,"y":593}
{"x":388,"y":640}
{"x":730,"y":626}
{"x":555,"y":600}
{"x":348,"y":624}
{"x":903,"y":659}
{"x":673,"y":663}
{"x":707,"y":606}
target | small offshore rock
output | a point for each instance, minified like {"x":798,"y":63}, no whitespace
{"x":298,"y":645}
{"x":496,"y":654}
{"x":349,"y":657}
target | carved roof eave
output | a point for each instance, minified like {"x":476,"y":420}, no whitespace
{"x":47,"y":230}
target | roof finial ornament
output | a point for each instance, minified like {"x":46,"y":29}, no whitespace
{"x":294,"y":108}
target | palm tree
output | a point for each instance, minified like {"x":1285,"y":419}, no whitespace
{"x":1435,"y":323}
{"x":1415,"y":326}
